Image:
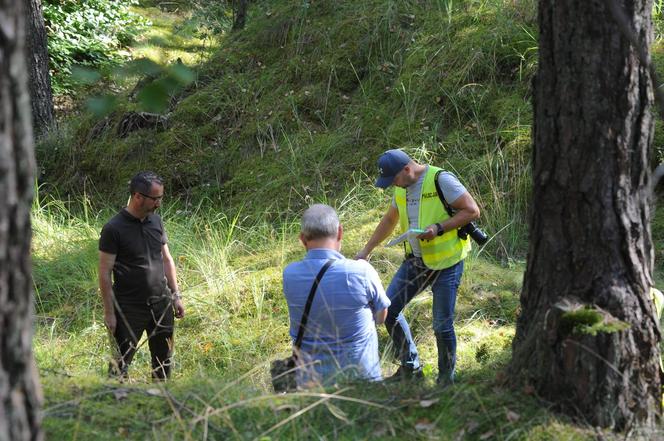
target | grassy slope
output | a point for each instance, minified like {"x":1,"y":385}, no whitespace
{"x":303,"y":100}
{"x":295,"y":109}
{"x":172,"y":36}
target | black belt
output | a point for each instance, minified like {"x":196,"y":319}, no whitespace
{"x":153,"y":300}
{"x":413,"y":256}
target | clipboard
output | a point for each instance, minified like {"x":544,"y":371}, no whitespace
{"x":405,"y":236}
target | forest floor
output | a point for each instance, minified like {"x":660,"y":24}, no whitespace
{"x":230,"y":252}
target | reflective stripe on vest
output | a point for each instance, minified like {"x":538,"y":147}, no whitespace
{"x":443,"y":251}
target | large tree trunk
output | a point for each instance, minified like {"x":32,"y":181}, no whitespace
{"x":20,"y":397}
{"x":590,"y":244}
{"x":41,"y":94}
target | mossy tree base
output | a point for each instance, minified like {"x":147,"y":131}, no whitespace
{"x":590,"y":240}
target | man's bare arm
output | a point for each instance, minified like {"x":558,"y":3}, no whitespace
{"x":380,"y":316}
{"x":106,"y":262}
{"x":171,"y":278}
{"x":466,"y":211}
{"x":382,"y":231}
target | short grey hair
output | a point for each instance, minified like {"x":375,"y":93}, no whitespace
{"x":320,"y":221}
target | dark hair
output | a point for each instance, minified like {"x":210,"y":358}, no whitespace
{"x":142,"y":182}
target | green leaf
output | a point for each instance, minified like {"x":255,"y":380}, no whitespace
{"x":84,"y":75}
{"x":144,"y":66}
{"x":153,"y":97}
{"x":101,"y":105}
{"x":182,"y":74}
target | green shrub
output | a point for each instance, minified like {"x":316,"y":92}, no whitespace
{"x":90,"y":33}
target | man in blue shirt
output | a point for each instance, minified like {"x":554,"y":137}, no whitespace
{"x":340,"y":339}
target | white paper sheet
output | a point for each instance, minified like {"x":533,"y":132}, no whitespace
{"x":402,"y":237}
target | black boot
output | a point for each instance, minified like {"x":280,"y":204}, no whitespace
{"x":446,"y":360}
{"x":406,"y":373}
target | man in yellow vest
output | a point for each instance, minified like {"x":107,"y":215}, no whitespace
{"x":433,"y":258}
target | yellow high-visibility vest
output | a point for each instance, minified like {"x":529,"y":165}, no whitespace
{"x":442,"y":251}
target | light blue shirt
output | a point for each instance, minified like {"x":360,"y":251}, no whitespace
{"x":340,"y":336}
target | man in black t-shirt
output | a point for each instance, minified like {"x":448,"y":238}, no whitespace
{"x":143,"y":290}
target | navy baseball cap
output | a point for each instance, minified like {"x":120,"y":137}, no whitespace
{"x":390,"y":164}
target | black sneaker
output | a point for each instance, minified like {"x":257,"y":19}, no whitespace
{"x":406,"y":373}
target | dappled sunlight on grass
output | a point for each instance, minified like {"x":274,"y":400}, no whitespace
{"x":171,"y":36}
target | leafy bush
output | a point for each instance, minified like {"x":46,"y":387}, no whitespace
{"x":87,"y":32}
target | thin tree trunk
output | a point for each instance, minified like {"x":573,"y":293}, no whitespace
{"x":41,"y":94}
{"x":240,"y":7}
{"x":20,"y":393}
{"x":590,"y":243}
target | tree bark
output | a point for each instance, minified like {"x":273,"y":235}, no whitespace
{"x":41,"y":94}
{"x":20,"y":393}
{"x":240,"y":7}
{"x":590,"y":243}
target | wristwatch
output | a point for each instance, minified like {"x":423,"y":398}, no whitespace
{"x":440,"y":229}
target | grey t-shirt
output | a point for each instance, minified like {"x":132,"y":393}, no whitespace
{"x":451,"y":188}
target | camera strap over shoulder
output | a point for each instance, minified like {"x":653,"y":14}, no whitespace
{"x":307,"y":307}
{"x":440,"y":194}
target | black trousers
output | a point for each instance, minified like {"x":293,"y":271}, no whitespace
{"x":157,"y":319}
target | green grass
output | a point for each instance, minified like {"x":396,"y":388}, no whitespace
{"x":291,"y":111}
{"x":230,"y":273}
{"x":171,"y":36}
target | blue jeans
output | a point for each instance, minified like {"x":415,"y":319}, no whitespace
{"x":411,"y":279}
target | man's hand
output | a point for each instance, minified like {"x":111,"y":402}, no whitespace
{"x":111,"y":321}
{"x":429,"y":232}
{"x":179,"y":308}
{"x":382,"y":231}
{"x":362,"y":255}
